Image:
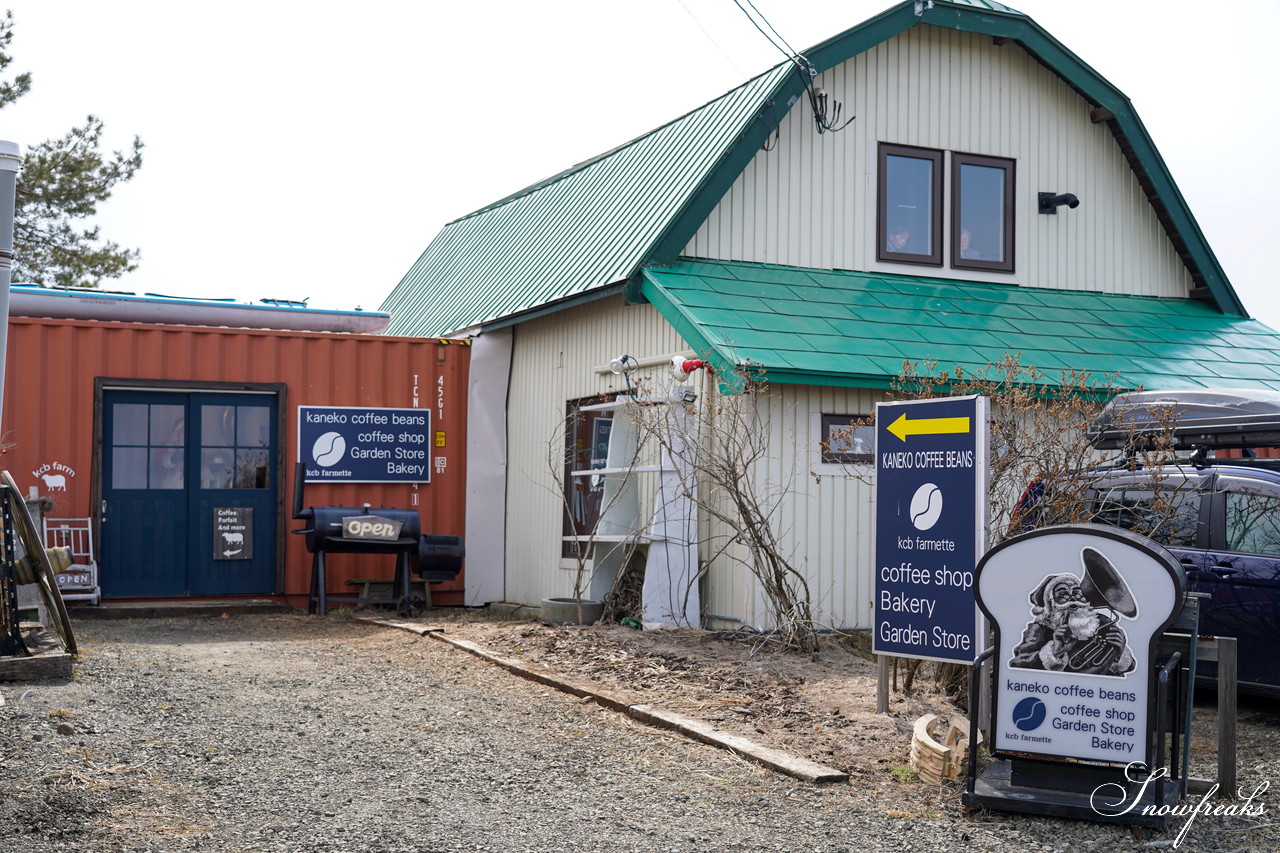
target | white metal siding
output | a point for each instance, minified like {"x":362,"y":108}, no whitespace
{"x":825,"y":524}
{"x":552,"y":361}
{"x":825,"y":519}
{"x":811,"y":201}
{"x":729,"y":591}
{"x":830,"y":524}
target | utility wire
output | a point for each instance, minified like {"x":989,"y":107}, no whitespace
{"x":790,"y":51}
{"x":712,"y":39}
{"x":825,"y":121}
{"x":784,"y":48}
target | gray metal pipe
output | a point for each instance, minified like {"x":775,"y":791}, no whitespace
{"x":10,"y":162}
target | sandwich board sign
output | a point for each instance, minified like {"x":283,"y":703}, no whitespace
{"x":1077,"y":610}
{"x":931,"y":518}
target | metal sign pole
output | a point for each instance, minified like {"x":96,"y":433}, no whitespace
{"x":11,"y":642}
{"x":10,"y":160}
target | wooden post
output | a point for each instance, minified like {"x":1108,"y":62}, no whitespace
{"x":1227,"y":717}
{"x":882,"y":685}
{"x":1222,"y":650}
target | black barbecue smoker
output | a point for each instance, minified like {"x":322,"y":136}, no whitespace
{"x":364,"y":530}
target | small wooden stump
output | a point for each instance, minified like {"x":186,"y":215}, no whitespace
{"x":935,"y":760}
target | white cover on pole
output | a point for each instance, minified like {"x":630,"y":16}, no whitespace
{"x":485,"y":575}
{"x":670,"y":594}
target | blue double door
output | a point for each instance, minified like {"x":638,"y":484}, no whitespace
{"x":189,"y":493}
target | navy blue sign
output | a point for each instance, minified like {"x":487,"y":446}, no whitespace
{"x":351,"y":444}
{"x":931,"y":460}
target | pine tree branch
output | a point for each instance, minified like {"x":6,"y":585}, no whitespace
{"x":62,"y":182}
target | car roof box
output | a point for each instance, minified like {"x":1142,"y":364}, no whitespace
{"x":1196,"y":418}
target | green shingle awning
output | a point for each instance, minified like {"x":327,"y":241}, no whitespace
{"x":823,"y":327}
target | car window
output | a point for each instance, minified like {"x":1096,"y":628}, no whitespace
{"x":1168,"y":516}
{"x":1253,"y":523}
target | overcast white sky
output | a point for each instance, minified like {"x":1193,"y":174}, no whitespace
{"x":313,"y":149}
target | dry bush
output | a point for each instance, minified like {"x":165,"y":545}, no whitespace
{"x":722,"y":441}
{"x":1041,"y":460}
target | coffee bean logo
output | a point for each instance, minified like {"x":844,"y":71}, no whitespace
{"x":328,"y":449}
{"x":1029,"y":714}
{"x":926,"y":506}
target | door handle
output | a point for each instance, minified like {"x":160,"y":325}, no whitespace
{"x":104,"y":511}
{"x":1224,"y":569}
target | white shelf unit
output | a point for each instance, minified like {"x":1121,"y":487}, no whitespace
{"x":670,"y":594}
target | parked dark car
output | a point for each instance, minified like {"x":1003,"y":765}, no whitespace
{"x":1220,"y":516}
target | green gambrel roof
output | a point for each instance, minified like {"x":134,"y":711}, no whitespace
{"x":574,"y":233}
{"x":823,"y":327}
{"x":586,"y":232}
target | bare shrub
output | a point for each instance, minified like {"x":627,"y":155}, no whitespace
{"x":1041,"y":460}
{"x":723,"y":440}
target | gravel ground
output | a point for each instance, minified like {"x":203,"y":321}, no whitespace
{"x":294,"y":733}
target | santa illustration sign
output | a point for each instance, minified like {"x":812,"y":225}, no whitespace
{"x":1074,"y":623}
{"x":1077,"y":610}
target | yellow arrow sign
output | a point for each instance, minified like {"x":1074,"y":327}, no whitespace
{"x":904,"y":427}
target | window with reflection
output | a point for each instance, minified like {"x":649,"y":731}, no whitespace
{"x":847,"y":438}
{"x":1253,"y":523}
{"x":234,"y":447}
{"x":586,"y":446}
{"x":148,"y":446}
{"x":1169,"y":516}
{"x":909,"y":226}
{"x":981,"y":212}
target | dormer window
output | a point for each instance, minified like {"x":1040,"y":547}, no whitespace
{"x":978,"y":210}
{"x":910,"y":221}
{"x":981,"y":213}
